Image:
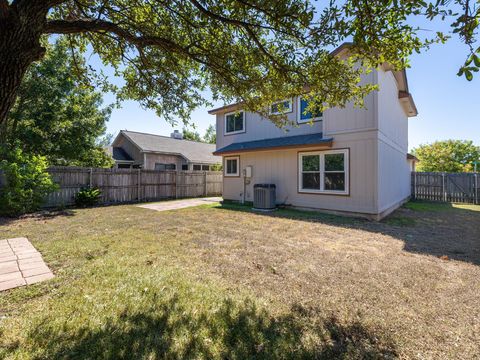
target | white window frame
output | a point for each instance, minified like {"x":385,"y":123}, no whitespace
{"x":322,"y":154}
{"x":225,"y":168}
{"x":225,"y":123}
{"x":289,"y":110}
{"x":299,"y":114}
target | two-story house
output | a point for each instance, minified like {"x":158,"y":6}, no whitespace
{"x":347,"y":160}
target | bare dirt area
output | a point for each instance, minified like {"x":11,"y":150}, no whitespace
{"x":225,"y":282}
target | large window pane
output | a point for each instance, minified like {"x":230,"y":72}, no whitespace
{"x":281,"y":107}
{"x":335,"y":181}
{"x":234,"y":122}
{"x":310,"y":163}
{"x":305,"y":116}
{"x":231,"y":166}
{"x":334,"y":162}
{"x":230,"y":123}
{"x":311,"y":181}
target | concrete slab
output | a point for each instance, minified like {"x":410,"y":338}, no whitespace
{"x":180,"y":204}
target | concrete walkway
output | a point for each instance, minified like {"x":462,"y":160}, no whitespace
{"x":21,"y":264}
{"x":180,"y":204}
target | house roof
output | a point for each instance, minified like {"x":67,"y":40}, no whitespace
{"x":404,"y":96}
{"x":412,"y":157}
{"x":192,"y":151}
{"x":276,"y":143}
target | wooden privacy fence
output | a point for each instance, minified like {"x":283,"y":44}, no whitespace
{"x":449,"y":187}
{"x":132,"y":185}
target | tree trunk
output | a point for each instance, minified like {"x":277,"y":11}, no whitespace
{"x":20,"y":32}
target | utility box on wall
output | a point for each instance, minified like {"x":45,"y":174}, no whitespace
{"x":247,"y":172}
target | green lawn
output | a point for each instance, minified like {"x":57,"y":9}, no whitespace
{"x":225,"y":282}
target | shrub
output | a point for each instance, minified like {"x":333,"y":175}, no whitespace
{"x":87,"y":197}
{"x":26,"y":182}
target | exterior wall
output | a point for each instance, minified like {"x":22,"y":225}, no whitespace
{"x":281,"y":169}
{"x":130,"y":149}
{"x":351,"y":118}
{"x":151,"y":159}
{"x":393,"y":167}
{"x":335,"y":120}
{"x":258,"y":128}
{"x":377,"y":137}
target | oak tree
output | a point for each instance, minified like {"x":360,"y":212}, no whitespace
{"x":255,"y":51}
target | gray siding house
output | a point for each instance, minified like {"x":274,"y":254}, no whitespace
{"x":346,"y":160}
{"x":132,"y":149}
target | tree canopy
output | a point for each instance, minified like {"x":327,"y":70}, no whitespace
{"x":210,"y":135}
{"x":447,"y":156}
{"x":56,"y":116}
{"x":191,"y":135}
{"x":254,"y":51}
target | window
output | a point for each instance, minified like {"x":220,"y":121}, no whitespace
{"x":232,"y":166}
{"x":323,"y":172}
{"x":197,"y":167}
{"x":281,"y":107}
{"x":163,"y":167}
{"x":305,"y":117}
{"x":235,"y":122}
{"x":205,"y":167}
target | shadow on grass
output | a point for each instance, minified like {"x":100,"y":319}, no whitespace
{"x":235,"y":330}
{"x":437,"y":229}
{"x":39,"y":215}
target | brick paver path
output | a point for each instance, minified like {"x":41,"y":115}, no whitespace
{"x":21,"y":264}
{"x":180,"y":204}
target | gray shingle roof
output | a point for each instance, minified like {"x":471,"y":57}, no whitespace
{"x":281,"y":142}
{"x":193,"y":151}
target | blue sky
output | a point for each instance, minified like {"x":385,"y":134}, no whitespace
{"x":448,"y":106}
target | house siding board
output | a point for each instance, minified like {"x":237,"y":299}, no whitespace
{"x":281,"y":169}
{"x":351,"y":118}
{"x":151,"y":159}
{"x":130,"y":149}
{"x":394,"y":176}
{"x":393,"y":167}
{"x":258,"y":128}
{"x":392,"y":120}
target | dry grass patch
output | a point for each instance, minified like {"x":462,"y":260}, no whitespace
{"x":224,"y":282}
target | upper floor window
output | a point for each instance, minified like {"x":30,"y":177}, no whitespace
{"x":235,"y":122}
{"x":324,"y":172}
{"x":303,"y":115}
{"x":281,"y":107}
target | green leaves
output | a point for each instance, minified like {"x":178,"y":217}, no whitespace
{"x":58,"y":115}
{"x":447,"y":156}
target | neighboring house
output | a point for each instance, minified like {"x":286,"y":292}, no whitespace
{"x":132,"y":149}
{"x":346,"y":160}
{"x":412,"y":162}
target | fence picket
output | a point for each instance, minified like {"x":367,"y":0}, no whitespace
{"x":450,"y":187}
{"x":131,"y":185}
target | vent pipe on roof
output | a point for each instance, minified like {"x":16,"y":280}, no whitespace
{"x":176,"y":135}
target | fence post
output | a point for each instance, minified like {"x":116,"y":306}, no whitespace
{"x":476,"y":188}
{"x":204,"y":183}
{"x":90,"y":175}
{"x":175,"y":184}
{"x":139,"y":180}
{"x":415,"y":185}
{"x":443,"y":188}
